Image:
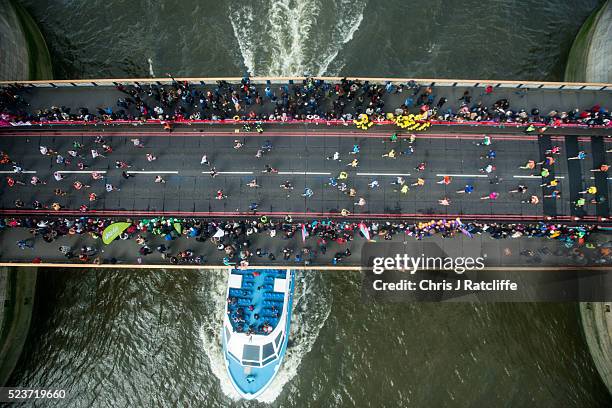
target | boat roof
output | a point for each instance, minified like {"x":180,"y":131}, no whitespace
{"x":255,"y":300}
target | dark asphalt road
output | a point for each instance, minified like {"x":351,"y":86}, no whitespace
{"x":299,"y":153}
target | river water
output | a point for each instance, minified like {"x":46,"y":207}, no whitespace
{"x":152,"y":338}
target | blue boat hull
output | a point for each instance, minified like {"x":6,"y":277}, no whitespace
{"x":259,"y":378}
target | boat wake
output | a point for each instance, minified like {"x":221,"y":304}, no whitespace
{"x":294,"y":37}
{"x":311,"y":308}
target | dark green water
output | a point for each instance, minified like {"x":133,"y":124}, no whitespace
{"x":151,"y":338}
{"x":145,"y":339}
{"x":500,"y":39}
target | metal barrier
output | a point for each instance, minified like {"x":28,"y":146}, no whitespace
{"x":464,"y":83}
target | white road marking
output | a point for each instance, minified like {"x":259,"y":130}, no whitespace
{"x":537,"y":177}
{"x":229,"y":172}
{"x":81,"y":171}
{"x":309,"y":173}
{"x":463,"y":175}
{"x":593,"y":178}
{"x":22,"y":172}
{"x":151,"y":172}
{"x":383,"y":174}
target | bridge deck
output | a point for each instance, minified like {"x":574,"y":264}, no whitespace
{"x":300,"y":156}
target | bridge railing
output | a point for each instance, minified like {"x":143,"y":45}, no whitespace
{"x":463,"y":83}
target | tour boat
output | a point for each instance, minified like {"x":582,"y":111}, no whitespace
{"x":256,"y":327}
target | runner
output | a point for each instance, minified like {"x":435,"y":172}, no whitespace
{"x":137,"y":143}
{"x":78,"y":185}
{"x":95,"y":153}
{"x":36,"y":181}
{"x":521,"y":188}
{"x":92,"y":197}
{"x":268,"y":169}
{"x":343,"y":175}
{"x":554,"y":194}
{"x":355,"y":149}
{"x":59,"y":193}
{"x":590,"y":190}
{"x":220,"y":195}
{"x":253,"y":184}
{"x":150,"y":157}
{"x":444,"y":201}
{"x":466,"y":190}
{"x":160,"y":179}
{"x":408,"y":152}
{"x":121,"y":165}
{"x":361,"y":202}
{"x":490,"y":155}
{"x":213,"y":172}
{"x":420,"y":166}
{"x":531,"y":200}
{"x":581,"y":156}
{"x":486,"y":141}
{"x":548,"y":161}
{"x":491,"y":196}
{"x":553,"y":183}
{"x":238,"y":144}
{"x":399,"y":181}
{"x":58,"y":176}
{"x":287,"y":185}
{"x":308,"y":193}
{"x":12,"y":182}
{"x":554,"y":150}
{"x":420,"y":182}
{"x":373,"y":184}
{"x":603,"y":168}
{"x":489,"y":168}
{"x":110,"y":187}
{"x":267,"y":146}
{"x":354,"y":163}
{"x":204,"y":161}
{"x":446,"y":180}
{"x":531,"y":164}
{"x":344,"y":212}
{"x":390,"y":155}
{"x":96,"y":176}
{"x":335,"y":156}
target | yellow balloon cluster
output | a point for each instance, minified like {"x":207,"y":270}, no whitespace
{"x":411,"y":122}
{"x":363,"y":122}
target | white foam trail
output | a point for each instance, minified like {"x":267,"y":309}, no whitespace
{"x":282,"y":41}
{"x":150,"y":61}
{"x":348,"y":24}
{"x":311,"y":308}
{"x":242,"y":20}
{"x":210,"y":332}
